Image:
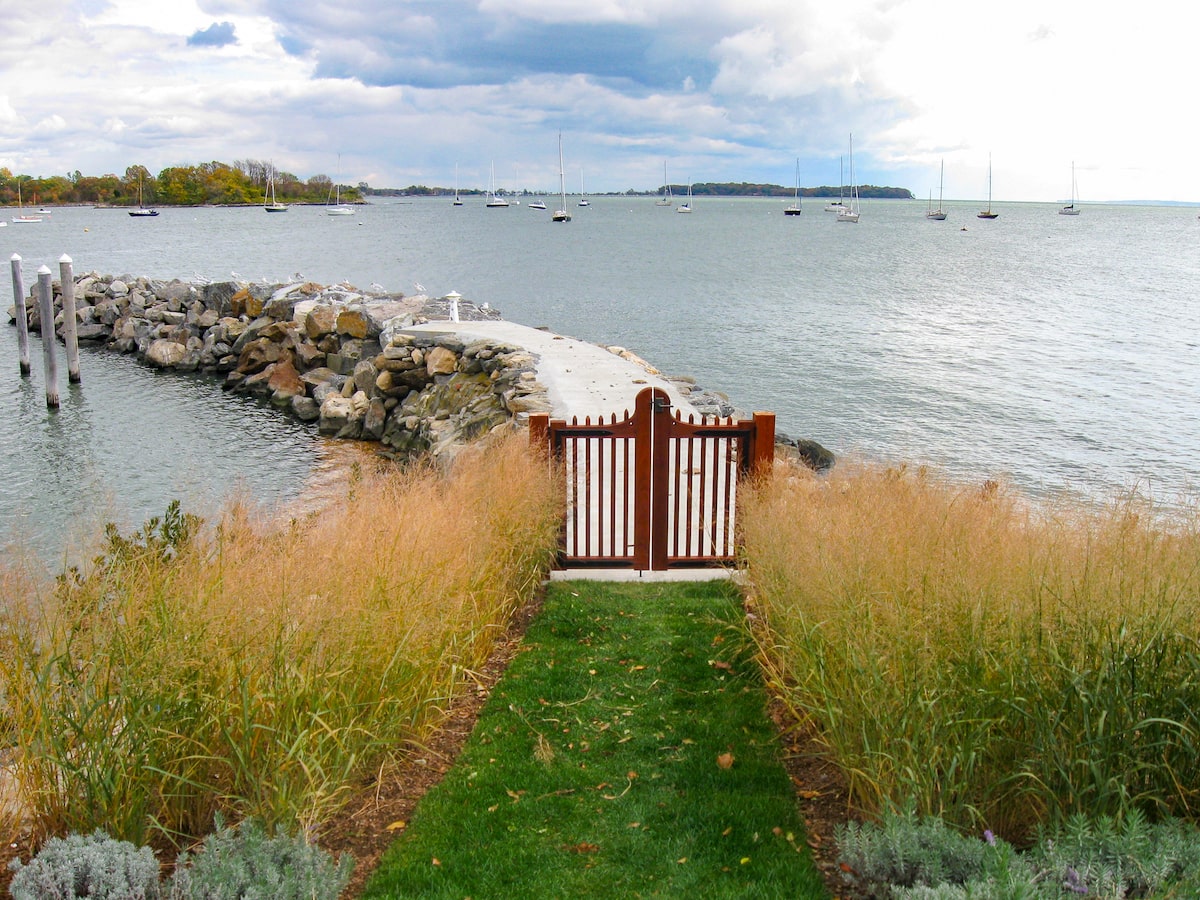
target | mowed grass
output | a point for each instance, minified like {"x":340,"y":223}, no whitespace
{"x":263,"y":666}
{"x":626,"y":753}
{"x":990,"y":660}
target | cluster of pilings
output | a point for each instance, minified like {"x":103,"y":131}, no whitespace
{"x":45,"y":299}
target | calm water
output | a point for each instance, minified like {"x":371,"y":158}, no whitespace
{"x":1058,"y":351}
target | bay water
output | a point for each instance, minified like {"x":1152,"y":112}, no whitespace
{"x":1062,"y":353}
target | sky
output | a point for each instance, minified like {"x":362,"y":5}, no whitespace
{"x":401,"y":92}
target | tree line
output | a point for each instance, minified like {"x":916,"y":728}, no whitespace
{"x":699,"y":189}
{"x":244,"y":182}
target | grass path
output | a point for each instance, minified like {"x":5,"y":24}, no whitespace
{"x":625,"y":753}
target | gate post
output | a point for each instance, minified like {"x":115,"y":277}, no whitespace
{"x":539,"y":432}
{"x":643,"y":476}
{"x":762,"y":443}
{"x":660,"y":478}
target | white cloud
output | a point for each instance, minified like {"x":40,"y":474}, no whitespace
{"x":735,"y":93}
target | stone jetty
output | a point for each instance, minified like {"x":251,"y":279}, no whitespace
{"x":358,"y":363}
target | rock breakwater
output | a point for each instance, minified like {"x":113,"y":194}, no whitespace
{"x":335,"y":355}
{"x":331,"y":355}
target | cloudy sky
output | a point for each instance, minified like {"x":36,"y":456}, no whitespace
{"x":718,"y":90}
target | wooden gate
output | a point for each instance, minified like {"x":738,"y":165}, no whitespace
{"x":650,"y":491}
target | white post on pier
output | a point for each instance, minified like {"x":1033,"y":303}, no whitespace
{"x":22,"y":316}
{"x":46,"y":315}
{"x":66,"y":275}
{"x":454,"y":297}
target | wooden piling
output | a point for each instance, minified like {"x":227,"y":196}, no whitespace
{"x":22,"y":316}
{"x":66,"y":276}
{"x":46,"y":313}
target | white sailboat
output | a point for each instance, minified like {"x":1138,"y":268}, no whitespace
{"x":494,"y":200}
{"x":987,"y":213}
{"x":665,"y":199}
{"x":838,"y":205}
{"x":850,"y":213}
{"x":23,"y":218}
{"x":338,"y":208}
{"x":270,"y":204}
{"x":1071,"y":209}
{"x":561,"y":214}
{"x":938,"y":215}
{"x":686,"y":206}
{"x":457,"y":198}
{"x":583,"y":199}
{"x":795,"y":208}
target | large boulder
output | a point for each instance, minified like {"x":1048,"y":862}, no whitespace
{"x":165,"y":354}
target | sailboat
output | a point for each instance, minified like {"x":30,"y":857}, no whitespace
{"x":142,"y":212}
{"x":561,"y":214}
{"x":686,"y":206}
{"x":22,"y":218}
{"x":665,"y":199}
{"x":583,"y":200}
{"x":338,"y":208}
{"x":457,"y":198}
{"x":270,"y":204}
{"x":1071,"y":209}
{"x":494,"y":200}
{"x":987,"y":213}
{"x":850,"y":213}
{"x":838,"y":205}
{"x":938,"y":214}
{"x":794,"y":209}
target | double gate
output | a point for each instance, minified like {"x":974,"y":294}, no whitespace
{"x":652,"y":492}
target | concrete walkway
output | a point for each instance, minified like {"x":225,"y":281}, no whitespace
{"x":581,"y":379}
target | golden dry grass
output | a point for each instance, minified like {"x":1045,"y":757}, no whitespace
{"x":261,"y":666}
{"x":994,"y":660}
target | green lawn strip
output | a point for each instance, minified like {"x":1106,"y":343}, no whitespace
{"x":596,"y":766}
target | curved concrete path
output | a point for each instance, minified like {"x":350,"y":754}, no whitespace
{"x":581,"y":379}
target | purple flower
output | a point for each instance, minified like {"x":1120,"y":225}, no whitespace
{"x":1074,"y":883}
{"x":989,"y":837}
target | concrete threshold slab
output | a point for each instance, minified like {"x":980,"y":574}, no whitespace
{"x":642,"y":575}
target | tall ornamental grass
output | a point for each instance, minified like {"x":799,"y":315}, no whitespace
{"x":998,"y":662}
{"x":263,"y":667}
